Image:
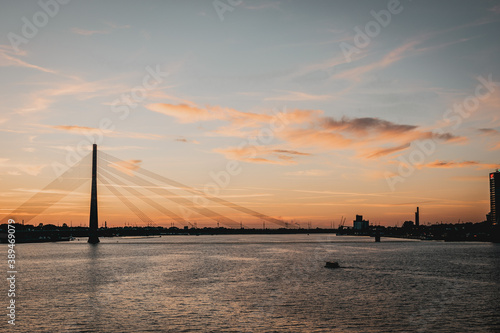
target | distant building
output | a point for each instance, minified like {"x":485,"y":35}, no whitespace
{"x":360,"y":224}
{"x":408,"y":224}
{"x":494,"y":197}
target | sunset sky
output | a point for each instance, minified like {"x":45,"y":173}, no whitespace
{"x":326,"y":111}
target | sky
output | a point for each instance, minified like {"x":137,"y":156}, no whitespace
{"x":305,"y":111}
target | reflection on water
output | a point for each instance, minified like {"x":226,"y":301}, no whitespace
{"x":257,"y":283}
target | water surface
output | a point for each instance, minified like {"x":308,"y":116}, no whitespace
{"x":257,"y":283}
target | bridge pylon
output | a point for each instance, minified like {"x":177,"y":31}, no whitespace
{"x":93,"y":221}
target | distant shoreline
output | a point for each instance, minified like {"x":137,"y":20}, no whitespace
{"x":482,"y":232}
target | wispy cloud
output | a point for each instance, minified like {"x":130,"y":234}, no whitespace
{"x":85,"y":32}
{"x":88,"y":32}
{"x":83,"y":130}
{"x":260,"y":154}
{"x":310,"y":173}
{"x":261,"y":6}
{"x":186,"y":140}
{"x":494,"y":134}
{"x":185,"y":113}
{"x":469,"y":178}
{"x":41,"y":100}
{"x":377,"y":153}
{"x":9,"y":58}
{"x":464,"y":164}
{"x":495,"y":9}
{"x":295,"y":96}
{"x":102,"y":148}
{"x":410,"y":48}
{"x":13,"y":168}
{"x":127,"y":167}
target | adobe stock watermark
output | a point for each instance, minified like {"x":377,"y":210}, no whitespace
{"x":31,"y":27}
{"x":372,"y":29}
{"x":221,"y":179}
{"x":453,"y":117}
{"x":223,"y":6}
{"x":11,"y":271}
{"x":121,"y":107}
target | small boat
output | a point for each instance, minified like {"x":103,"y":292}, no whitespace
{"x":333,"y":264}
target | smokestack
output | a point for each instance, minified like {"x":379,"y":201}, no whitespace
{"x":417,"y":217}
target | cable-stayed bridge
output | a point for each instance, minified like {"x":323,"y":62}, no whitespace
{"x":131,"y":184}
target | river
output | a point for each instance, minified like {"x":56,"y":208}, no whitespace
{"x":256,"y":283}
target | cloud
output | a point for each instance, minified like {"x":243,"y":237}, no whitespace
{"x":83,"y":130}
{"x":314,"y":138}
{"x":85,"y":32}
{"x":387,"y":151}
{"x":30,"y":169}
{"x":469,"y":178}
{"x":355,"y":73}
{"x":185,"y":113}
{"x":42,"y":99}
{"x":369,"y":137}
{"x":310,"y":173}
{"x":76,"y":129}
{"x":291,"y":152}
{"x":494,"y":134}
{"x":408,"y":49}
{"x":362,"y":126}
{"x":186,"y":140}
{"x":112,"y":27}
{"x":495,"y":9}
{"x":266,"y":5}
{"x":464,"y":164}
{"x":127,"y":167}
{"x":8,"y":59}
{"x":295,"y":96}
{"x":489,"y":131}
{"x":260,"y":154}
{"x":101,"y":148}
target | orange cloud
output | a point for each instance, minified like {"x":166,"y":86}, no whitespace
{"x":192,"y":113}
{"x":127,"y":167}
{"x":370,"y":137}
{"x":314,"y":138}
{"x":453,"y":164}
{"x":310,"y":173}
{"x":75,"y":129}
{"x":184,"y":113}
{"x":387,"y":151}
{"x":260,"y":154}
{"x":30,"y":169}
{"x":83,"y":130}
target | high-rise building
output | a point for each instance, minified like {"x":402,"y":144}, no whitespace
{"x":494,"y":197}
{"x":360,"y":224}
